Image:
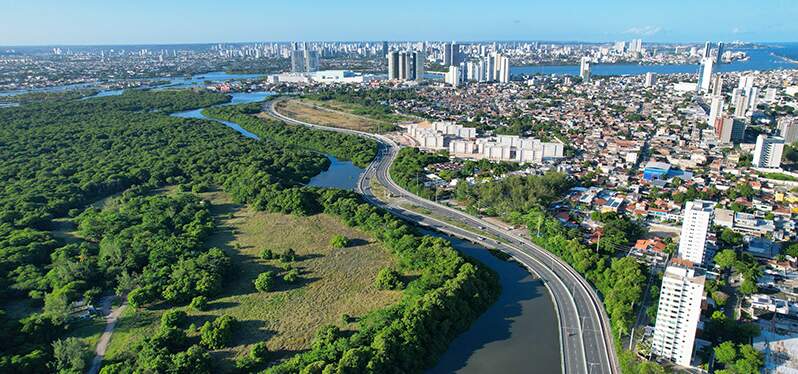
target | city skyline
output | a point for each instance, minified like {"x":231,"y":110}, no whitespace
{"x":95,"y":23}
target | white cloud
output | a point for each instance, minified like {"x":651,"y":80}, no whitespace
{"x":643,"y":30}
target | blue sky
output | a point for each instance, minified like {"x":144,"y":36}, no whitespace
{"x":45,"y":22}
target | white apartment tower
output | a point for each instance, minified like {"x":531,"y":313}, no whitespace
{"x":705,"y":79}
{"x":696,"y":223}
{"x":678,"y":314}
{"x":768,"y":151}
{"x":584,"y":69}
{"x":651,"y":79}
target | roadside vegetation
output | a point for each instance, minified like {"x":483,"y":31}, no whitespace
{"x":373,"y":103}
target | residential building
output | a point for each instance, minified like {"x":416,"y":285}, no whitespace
{"x":768,"y":151}
{"x":678,"y":314}
{"x":584,"y":69}
{"x":696,"y":222}
{"x":788,"y":128}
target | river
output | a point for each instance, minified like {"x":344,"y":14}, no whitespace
{"x":341,"y":174}
{"x":517,"y":334}
{"x":760,"y":59}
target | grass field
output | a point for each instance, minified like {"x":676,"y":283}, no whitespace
{"x":334,"y":114}
{"x":334,"y":281}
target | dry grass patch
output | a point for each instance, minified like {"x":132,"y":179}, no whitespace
{"x":326,"y":114}
{"x":333,"y":282}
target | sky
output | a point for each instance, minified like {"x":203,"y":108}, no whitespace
{"x":103,"y":22}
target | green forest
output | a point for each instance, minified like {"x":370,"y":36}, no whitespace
{"x":62,"y":155}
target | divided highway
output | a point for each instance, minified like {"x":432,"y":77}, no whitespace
{"x":585,"y":335}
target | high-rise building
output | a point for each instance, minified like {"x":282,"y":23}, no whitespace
{"x":728,"y":130}
{"x":303,"y":60}
{"x":768,"y":151}
{"x":651,"y":79}
{"x":740,"y":103}
{"x":503,"y":68}
{"x":419,"y":58}
{"x":393,"y":65}
{"x":705,"y":77}
{"x":584,"y":69}
{"x":715,"y":109}
{"x":696,"y":222}
{"x":788,"y":127}
{"x":707,"y":49}
{"x":678,"y":314}
{"x":384,"y":49}
{"x":457,"y":56}
{"x":717,"y":85}
{"x":404,"y":65}
{"x":719,"y":56}
{"x":452,"y":77}
{"x":447,"y":54}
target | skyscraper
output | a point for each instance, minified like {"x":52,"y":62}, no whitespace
{"x":768,"y":151}
{"x":503,"y":67}
{"x":419,"y":58}
{"x":717,"y":85}
{"x":452,"y":77}
{"x":696,"y":222}
{"x":303,"y":60}
{"x":678,"y":314}
{"x":707,"y":49}
{"x":584,"y":69}
{"x":457,"y":56}
{"x":447,"y":54}
{"x":705,"y":78}
{"x":393,"y":65}
{"x":384,"y":49}
{"x":719,"y":57}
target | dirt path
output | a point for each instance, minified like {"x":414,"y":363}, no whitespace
{"x":111,"y":316}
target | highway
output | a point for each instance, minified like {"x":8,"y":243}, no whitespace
{"x":585,"y":336}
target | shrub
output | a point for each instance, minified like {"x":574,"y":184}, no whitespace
{"x":388,"y":279}
{"x":289,"y":255}
{"x":265,"y":281}
{"x":173,"y":318}
{"x":199,"y":303}
{"x":339,"y":241}
{"x":291,"y":276}
{"x":267,"y":254}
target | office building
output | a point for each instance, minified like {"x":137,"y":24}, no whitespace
{"x":584,"y":69}
{"x":678,"y":314}
{"x":788,"y":129}
{"x":651,"y":79}
{"x":696,"y":222}
{"x":768,"y":151}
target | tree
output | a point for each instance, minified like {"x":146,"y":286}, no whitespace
{"x":339,"y":241}
{"x":726,"y":353}
{"x":388,"y":279}
{"x":173,"y":318}
{"x":194,"y":360}
{"x":217,"y":335}
{"x":70,"y":355}
{"x":265,"y":281}
{"x":726,"y":258}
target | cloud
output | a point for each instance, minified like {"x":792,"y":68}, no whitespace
{"x":643,"y":30}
